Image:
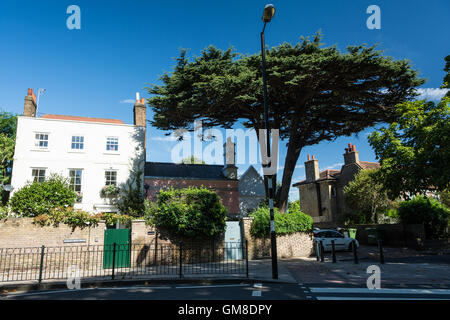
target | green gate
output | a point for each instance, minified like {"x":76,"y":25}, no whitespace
{"x":121,"y":239}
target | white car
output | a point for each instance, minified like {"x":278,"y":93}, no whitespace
{"x":341,"y":242}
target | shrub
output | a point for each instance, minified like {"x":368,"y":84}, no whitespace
{"x":131,"y":199}
{"x":427,"y":211}
{"x":191,"y":212}
{"x":4,"y":212}
{"x":69,"y":216}
{"x":285,"y":223}
{"x":111,"y":218}
{"x":41,"y":197}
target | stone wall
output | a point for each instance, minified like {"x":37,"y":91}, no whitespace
{"x":22,"y":232}
{"x":298,"y":244}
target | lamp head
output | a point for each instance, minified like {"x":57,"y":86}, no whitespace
{"x":268,"y":13}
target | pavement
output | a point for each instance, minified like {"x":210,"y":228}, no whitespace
{"x":404,"y":275}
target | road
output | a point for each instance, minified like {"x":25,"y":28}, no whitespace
{"x":243,"y":291}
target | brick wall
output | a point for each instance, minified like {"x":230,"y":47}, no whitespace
{"x":21,"y":232}
{"x":298,"y":244}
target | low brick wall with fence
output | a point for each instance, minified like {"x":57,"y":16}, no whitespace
{"x":299,"y":244}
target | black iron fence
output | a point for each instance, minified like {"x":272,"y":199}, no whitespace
{"x":122,"y":261}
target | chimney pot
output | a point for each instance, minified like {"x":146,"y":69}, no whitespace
{"x":354,"y":148}
{"x":309,"y":157}
{"x":143,"y":100}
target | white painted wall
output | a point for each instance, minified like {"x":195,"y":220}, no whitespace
{"x":93,"y":159}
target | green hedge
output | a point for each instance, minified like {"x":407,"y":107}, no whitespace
{"x":428,"y":211}
{"x":285,"y":223}
{"x":41,"y":197}
{"x":191,"y":212}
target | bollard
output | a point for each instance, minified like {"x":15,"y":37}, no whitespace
{"x":322,"y":258}
{"x":246,"y":257}
{"x":380,"y":249}
{"x":317,"y":251}
{"x":333,"y":252}
{"x":41,"y":265}
{"x":355,"y":253}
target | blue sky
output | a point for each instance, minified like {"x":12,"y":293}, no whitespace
{"x":124,"y":45}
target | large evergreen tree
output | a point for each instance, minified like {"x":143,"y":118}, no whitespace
{"x":315,"y":93}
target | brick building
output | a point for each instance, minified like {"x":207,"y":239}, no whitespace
{"x":221,"y":179}
{"x":322,"y":193}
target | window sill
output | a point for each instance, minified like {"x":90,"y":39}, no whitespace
{"x":112,"y":153}
{"x":76,"y":151}
{"x":40,"y":150}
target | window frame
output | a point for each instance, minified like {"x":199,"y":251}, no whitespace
{"x":80,"y":143}
{"x":37,"y":141}
{"x":73,"y":185}
{"x":112,"y":143}
{"x":107,"y":183}
{"x":38,"y":177}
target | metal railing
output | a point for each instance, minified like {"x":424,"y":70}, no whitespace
{"x":123,"y":261}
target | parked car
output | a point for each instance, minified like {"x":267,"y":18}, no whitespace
{"x":341,"y":242}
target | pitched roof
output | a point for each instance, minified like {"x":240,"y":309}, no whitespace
{"x":328,"y":174}
{"x":76,"y":118}
{"x":369,"y":165}
{"x":185,"y":171}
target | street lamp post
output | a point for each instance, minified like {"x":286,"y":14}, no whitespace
{"x":269,"y":12}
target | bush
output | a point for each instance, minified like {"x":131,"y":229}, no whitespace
{"x":427,"y":211}
{"x":69,"y":216}
{"x":131,"y":199}
{"x":41,"y":197}
{"x":4,"y":212}
{"x":191,"y":212}
{"x":285,"y":223}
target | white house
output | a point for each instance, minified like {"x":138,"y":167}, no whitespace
{"x":93,"y":152}
{"x":251,"y":191}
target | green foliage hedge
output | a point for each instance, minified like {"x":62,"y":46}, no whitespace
{"x":285,"y":223}
{"x":191,"y":212}
{"x":430,"y":212}
{"x":41,"y":197}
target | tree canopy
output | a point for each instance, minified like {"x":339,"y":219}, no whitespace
{"x":8,"y":124}
{"x":414,"y":151}
{"x":315,"y":93}
{"x":367,"y":198}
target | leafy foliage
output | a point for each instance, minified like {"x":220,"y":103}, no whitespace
{"x":415,"y":151}
{"x":191,"y":212}
{"x":366,"y":197}
{"x":69,"y":216}
{"x":111,"y":218}
{"x":446,"y":83}
{"x":131,"y":199}
{"x":430,"y":212}
{"x":192,"y":160}
{"x":8,"y":125}
{"x":285,"y":223}
{"x":315,"y":93}
{"x":41,"y":197}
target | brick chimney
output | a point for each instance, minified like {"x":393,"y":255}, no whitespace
{"x":312,"y":169}
{"x":229,"y":156}
{"x":30,"y":106}
{"x":351,"y":155}
{"x":140,"y":112}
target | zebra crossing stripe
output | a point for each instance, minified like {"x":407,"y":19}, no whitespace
{"x":381,"y":291}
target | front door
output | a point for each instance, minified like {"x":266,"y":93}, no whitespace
{"x":233,"y":242}
{"x":121,"y":237}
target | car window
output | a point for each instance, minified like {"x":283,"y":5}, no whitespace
{"x":337,"y":235}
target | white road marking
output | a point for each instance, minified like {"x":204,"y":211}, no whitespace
{"x":256,"y":293}
{"x":380,"y":291}
{"x":257,"y":285}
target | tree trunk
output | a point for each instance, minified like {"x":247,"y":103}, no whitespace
{"x":292,"y":154}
